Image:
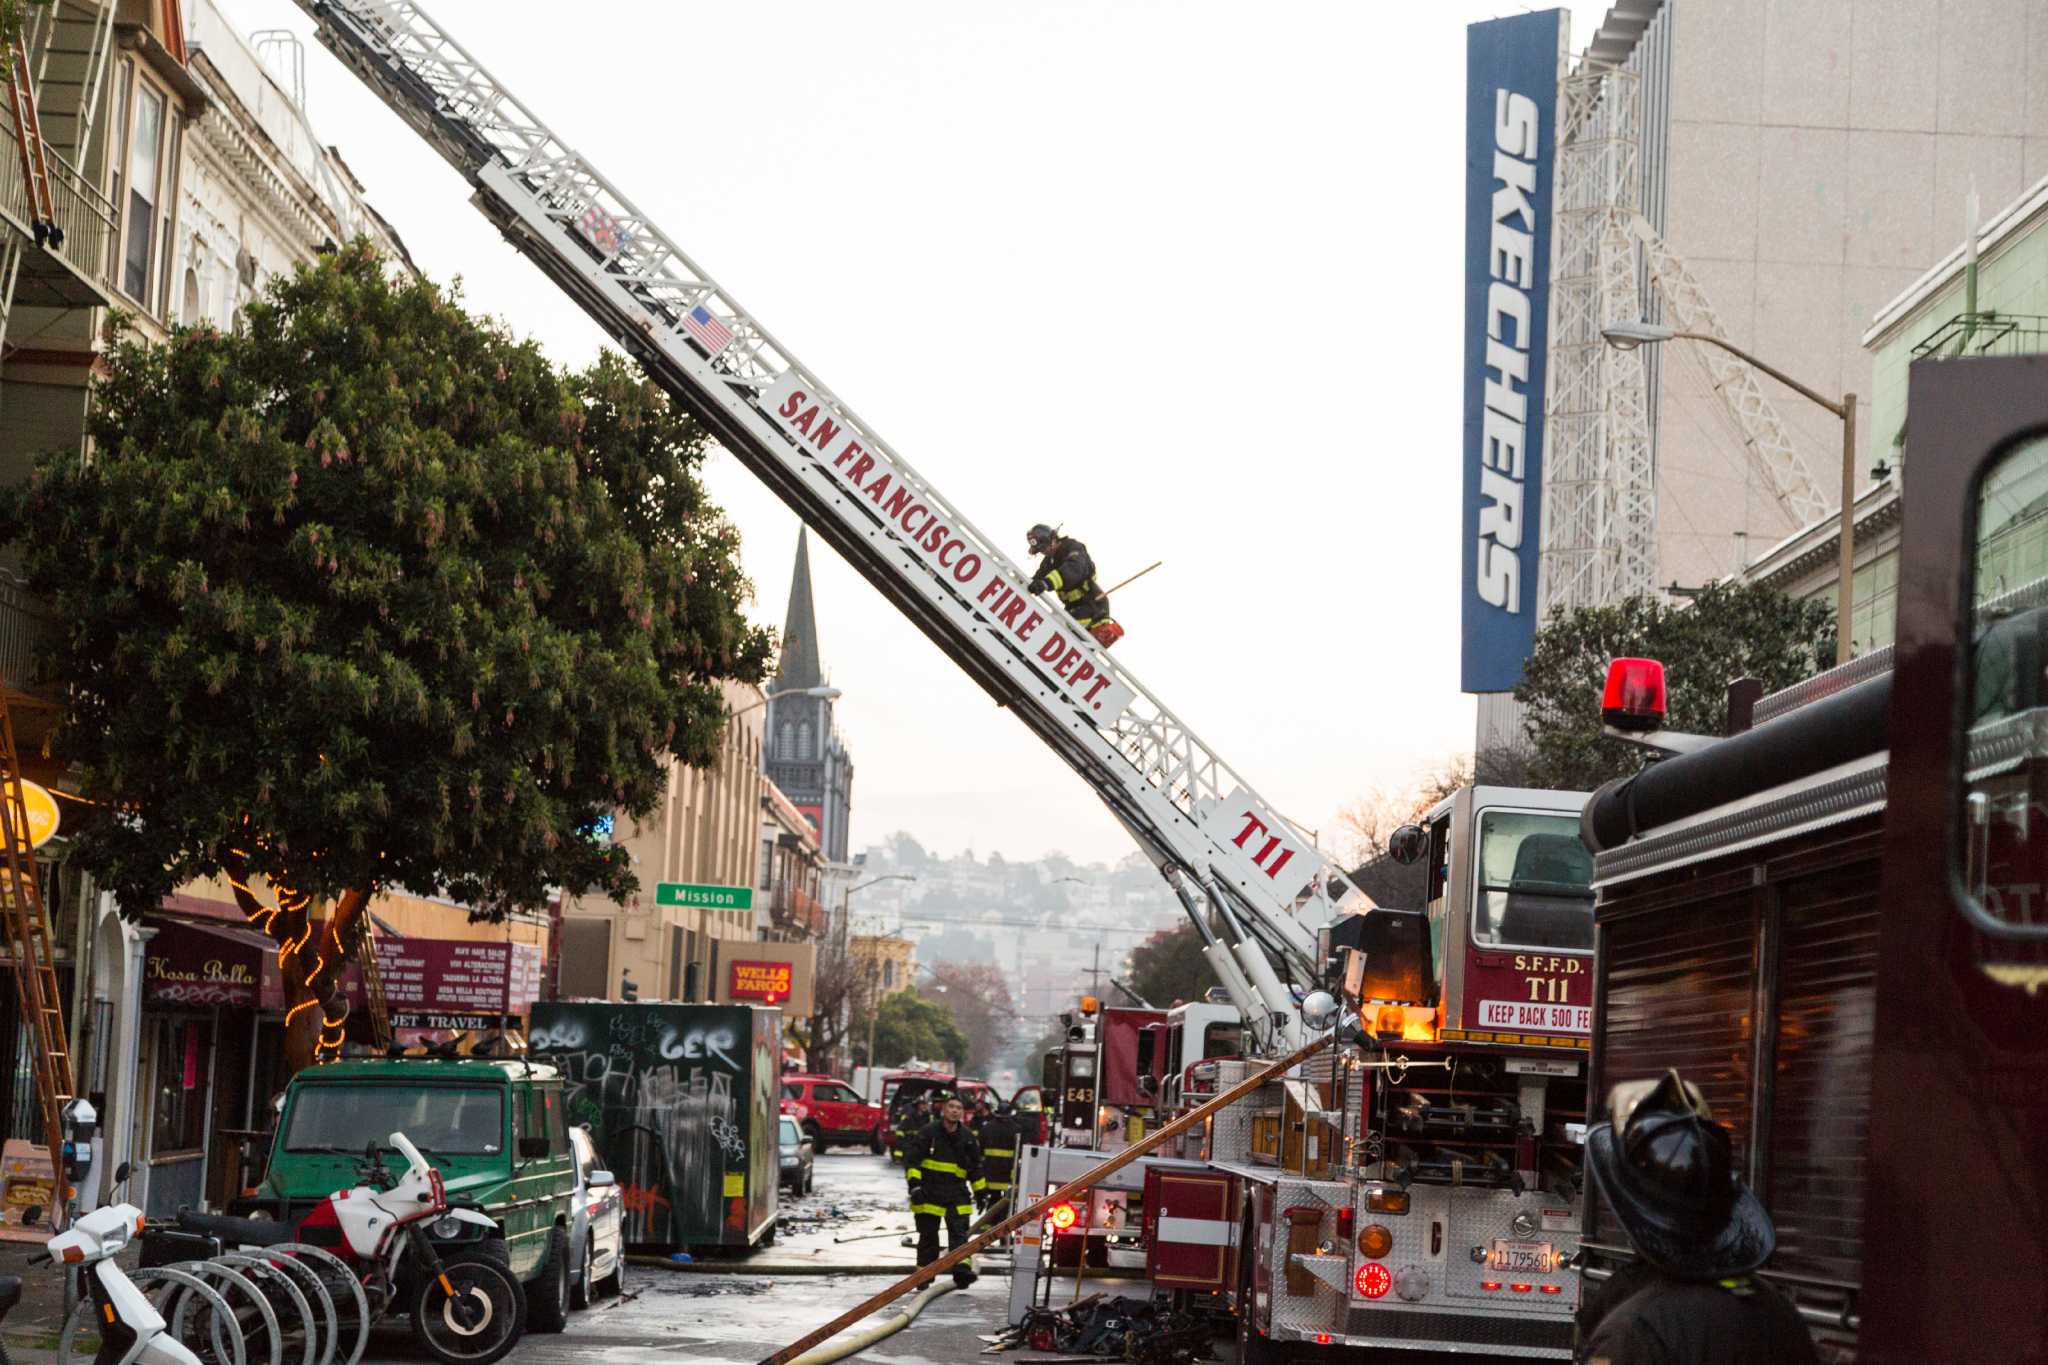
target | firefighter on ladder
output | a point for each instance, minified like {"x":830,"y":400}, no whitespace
{"x":944,"y":1169}
{"x":1065,"y":568}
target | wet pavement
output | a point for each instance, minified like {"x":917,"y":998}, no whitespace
{"x":828,"y":1246}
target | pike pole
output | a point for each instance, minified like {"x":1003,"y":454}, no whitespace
{"x":927,"y":1274}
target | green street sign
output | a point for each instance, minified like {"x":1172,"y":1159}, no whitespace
{"x":694,"y":897}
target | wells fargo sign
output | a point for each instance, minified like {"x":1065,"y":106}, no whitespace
{"x":767,"y":982}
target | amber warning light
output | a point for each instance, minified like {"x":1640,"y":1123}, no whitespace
{"x":1634,"y":697}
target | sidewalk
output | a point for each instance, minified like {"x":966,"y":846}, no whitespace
{"x":32,"y":1327}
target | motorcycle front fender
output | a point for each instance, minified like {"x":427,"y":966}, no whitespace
{"x":131,"y":1306}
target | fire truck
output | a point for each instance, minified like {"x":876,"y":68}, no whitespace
{"x":1421,"y":1189}
{"x":1830,"y":918}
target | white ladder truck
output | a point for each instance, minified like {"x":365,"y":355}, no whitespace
{"x":1263,"y":898}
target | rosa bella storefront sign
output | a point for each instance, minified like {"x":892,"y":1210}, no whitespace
{"x":210,"y":964}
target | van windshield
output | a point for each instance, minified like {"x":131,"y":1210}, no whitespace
{"x":1535,"y":882}
{"x":452,"y":1120}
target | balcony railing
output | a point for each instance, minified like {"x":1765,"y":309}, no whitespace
{"x":1986,"y":333}
{"x":792,"y":907}
{"x":24,"y":622}
{"x":71,"y":275}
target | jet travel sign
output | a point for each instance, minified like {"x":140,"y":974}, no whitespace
{"x":1510,"y":100}
{"x":1059,"y":649}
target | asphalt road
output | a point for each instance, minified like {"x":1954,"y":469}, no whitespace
{"x":738,"y":1310}
{"x":743,"y":1310}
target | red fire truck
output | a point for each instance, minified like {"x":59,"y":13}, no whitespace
{"x":1831,"y":919}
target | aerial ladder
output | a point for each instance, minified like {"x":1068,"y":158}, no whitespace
{"x":1252,"y":883}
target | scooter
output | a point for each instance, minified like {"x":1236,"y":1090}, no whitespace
{"x":131,"y":1331}
{"x":465,"y":1310}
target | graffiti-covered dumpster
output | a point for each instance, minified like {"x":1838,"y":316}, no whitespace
{"x":682,"y":1100}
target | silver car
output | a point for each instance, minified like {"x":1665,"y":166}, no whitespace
{"x":797,"y":1175}
{"x":597,"y":1228}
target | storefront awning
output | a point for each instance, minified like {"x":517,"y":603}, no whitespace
{"x":192,"y":964}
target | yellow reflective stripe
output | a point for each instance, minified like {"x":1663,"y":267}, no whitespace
{"x":999,"y":1184}
{"x":963,"y":1208}
{"x":999,"y":1151}
{"x":1056,"y":581}
{"x":935,"y":1210}
{"x":946,"y":1167}
{"x":913,"y":1174}
{"x":979,"y":1185}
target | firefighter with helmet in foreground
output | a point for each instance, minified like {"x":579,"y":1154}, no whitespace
{"x":1065,"y":568}
{"x":944,"y":1169}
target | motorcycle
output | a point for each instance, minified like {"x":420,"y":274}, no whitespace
{"x":464,"y":1310}
{"x":131,"y":1331}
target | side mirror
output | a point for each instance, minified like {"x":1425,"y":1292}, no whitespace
{"x":598,"y":1180}
{"x":1408,"y":844}
{"x":533,"y":1148}
{"x":121,"y":1174}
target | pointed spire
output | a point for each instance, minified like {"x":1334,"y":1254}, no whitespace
{"x":800,"y":665}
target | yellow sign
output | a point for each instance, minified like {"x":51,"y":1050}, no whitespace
{"x":42,"y":813}
{"x":735,"y":1183}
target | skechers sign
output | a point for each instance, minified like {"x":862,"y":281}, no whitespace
{"x":1510,"y":98}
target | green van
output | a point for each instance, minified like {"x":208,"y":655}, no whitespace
{"x":496,"y":1130}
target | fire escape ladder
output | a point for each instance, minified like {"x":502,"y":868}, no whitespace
{"x":32,"y":958}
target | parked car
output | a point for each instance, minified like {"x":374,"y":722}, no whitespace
{"x":495,"y":1130}
{"x":597,"y":1226}
{"x":1028,"y":1104}
{"x":832,"y":1112}
{"x":799,"y":1173}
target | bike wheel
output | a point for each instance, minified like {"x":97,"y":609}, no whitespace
{"x":477,"y":1323}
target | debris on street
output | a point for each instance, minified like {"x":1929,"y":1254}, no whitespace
{"x":1145,"y":1331}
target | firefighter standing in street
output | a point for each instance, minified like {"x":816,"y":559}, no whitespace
{"x":910,"y":1121}
{"x":944,"y":1169}
{"x":999,"y":1134}
{"x":1065,"y":568}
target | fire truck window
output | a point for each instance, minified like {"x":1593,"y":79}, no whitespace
{"x":2003,"y":844}
{"x":1535,"y":887}
{"x":1080,"y":1066}
{"x":1223,"y":1040}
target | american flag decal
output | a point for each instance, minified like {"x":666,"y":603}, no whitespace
{"x":710,"y":333}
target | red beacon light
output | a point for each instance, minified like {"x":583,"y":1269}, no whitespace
{"x":1634,"y":696}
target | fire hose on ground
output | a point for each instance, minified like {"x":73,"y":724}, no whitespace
{"x":793,"y":1352}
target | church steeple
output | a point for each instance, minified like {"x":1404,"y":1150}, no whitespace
{"x":800,"y":665}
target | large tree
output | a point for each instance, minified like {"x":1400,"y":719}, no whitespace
{"x":1727,"y":631}
{"x":366,"y":594}
{"x":910,"y":1027}
{"x":1168,"y":968}
{"x":982,"y":1009}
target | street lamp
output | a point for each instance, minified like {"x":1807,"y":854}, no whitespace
{"x":1626,"y":336}
{"x":822,"y":693}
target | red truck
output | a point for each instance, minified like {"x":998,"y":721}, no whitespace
{"x":836,"y":1112}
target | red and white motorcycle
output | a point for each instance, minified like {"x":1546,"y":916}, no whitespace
{"x":465,"y":1311}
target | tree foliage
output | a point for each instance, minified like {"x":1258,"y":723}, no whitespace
{"x":1727,"y":631}
{"x":1368,"y":824}
{"x":1168,"y":968}
{"x":979,"y":1000}
{"x":367,"y":594}
{"x":910,"y":1027}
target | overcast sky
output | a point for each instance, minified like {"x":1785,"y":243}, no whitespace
{"x":1185,"y":277}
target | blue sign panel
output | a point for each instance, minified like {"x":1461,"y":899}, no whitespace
{"x":1510,"y":102}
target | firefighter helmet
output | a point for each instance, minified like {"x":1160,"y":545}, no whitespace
{"x":1039,"y":538}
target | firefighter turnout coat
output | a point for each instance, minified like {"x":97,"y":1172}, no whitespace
{"x":999,"y":1136}
{"x":1070,"y":573}
{"x":944,"y":1169}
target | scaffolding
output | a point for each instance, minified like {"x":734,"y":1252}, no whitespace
{"x":1599,"y":479}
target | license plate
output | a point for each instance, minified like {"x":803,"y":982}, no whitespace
{"x":1535,"y":1257}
